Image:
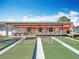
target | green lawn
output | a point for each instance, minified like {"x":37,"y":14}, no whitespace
{"x":72,"y":43}
{"x":23,"y":50}
{"x":54,"y":50}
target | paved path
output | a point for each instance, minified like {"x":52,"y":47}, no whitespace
{"x":40,"y":52}
{"x":66,"y":45}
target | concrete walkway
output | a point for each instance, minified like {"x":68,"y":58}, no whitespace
{"x":66,"y":45}
{"x":40,"y":52}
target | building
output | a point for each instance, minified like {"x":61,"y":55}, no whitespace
{"x":35,"y":28}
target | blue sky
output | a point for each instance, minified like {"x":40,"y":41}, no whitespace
{"x":36,"y":7}
{"x":18,"y":9}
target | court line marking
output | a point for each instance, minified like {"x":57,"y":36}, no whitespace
{"x":66,"y":45}
{"x":72,"y":39}
{"x":9,"y":47}
{"x":40,"y":52}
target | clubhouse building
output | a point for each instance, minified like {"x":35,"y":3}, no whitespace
{"x":34,"y":28}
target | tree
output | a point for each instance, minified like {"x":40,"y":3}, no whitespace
{"x":77,"y":27}
{"x":63,"y":19}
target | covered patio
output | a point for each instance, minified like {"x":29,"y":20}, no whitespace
{"x":40,"y":28}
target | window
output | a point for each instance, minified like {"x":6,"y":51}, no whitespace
{"x":40,"y":29}
{"x":29,"y":29}
{"x":50,"y":29}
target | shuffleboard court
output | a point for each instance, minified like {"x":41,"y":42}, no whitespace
{"x":6,"y":42}
{"x":23,"y":50}
{"x":54,"y":50}
{"x":72,"y":43}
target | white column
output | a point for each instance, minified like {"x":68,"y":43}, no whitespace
{"x":6,"y":29}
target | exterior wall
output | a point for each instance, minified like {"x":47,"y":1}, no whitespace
{"x":10,"y":29}
{"x":45,"y":31}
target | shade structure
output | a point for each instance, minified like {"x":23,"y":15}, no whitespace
{"x":19,"y":26}
{"x":22,"y":26}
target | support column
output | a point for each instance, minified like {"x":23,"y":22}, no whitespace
{"x":46,"y":31}
{"x":54,"y":31}
{"x":6,"y":29}
{"x":59,"y":31}
{"x":33,"y":31}
{"x":62,"y":29}
{"x":11,"y":30}
{"x":1,"y":31}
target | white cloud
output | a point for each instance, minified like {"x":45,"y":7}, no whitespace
{"x":65,"y":9}
{"x":62,"y":14}
{"x":8,"y":20}
{"x":74,"y":20}
{"x":39,"y":18}
{"x":11,"y":20}
{"x":73,"y":15}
